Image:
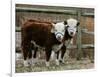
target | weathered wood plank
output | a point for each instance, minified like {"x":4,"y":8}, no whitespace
{"x":79,"y":52}
{"x":87,"y":32}
{"x":62,"y":11}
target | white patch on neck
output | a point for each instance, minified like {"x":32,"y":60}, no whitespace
{"x":67,"y":43}
{"x":56,"y":47}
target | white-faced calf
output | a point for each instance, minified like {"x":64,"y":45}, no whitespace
{"x":69,"y":34}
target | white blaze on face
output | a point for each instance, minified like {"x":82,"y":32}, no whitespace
{"x":72,"y":26}
{"x":59,"y":30}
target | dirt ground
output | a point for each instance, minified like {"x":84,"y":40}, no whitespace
{"x":69,"y":64}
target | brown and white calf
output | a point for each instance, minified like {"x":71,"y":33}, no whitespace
{"x":69,"y":34}
{"x":41,"y":34}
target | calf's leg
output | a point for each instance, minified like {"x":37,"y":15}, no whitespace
{"x":48,"y":54}
{"x":63,"y":50}
{"x":57,"y":57}
{"x":27,"y":53}
{"x":35,"y":55}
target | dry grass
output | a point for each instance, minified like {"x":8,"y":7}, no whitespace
{"x":70,"y":64}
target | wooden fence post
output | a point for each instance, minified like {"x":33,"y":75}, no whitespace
{"x":79,"y":46}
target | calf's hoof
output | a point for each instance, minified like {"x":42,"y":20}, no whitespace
{"x":61,"y":61}
{"x":47,"y":64}
{"x":26,"y":64}
{"x":57,"y":62}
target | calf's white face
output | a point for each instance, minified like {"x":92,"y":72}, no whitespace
{"x":72,"y":26}
{"x":59,"y":30}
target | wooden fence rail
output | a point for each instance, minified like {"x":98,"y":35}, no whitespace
{"x":57,"y":11}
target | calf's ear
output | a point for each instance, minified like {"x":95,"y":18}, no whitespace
{"x":65,"y":22}
{"x":78,"y":23}
{"x":53,"y":28}
{"x":66,"y":27}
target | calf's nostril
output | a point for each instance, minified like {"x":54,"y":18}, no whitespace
{"x":59,"y":37}
{"x":71,"y":33}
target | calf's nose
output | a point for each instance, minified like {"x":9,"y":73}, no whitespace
{"x":59,"y":37}
{"x":71,"y":33}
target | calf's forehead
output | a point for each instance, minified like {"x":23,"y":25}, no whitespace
{"x":72,"y":22}
{"x":59,"y":26}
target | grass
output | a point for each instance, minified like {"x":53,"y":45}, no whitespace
{"x":70,"y":64}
